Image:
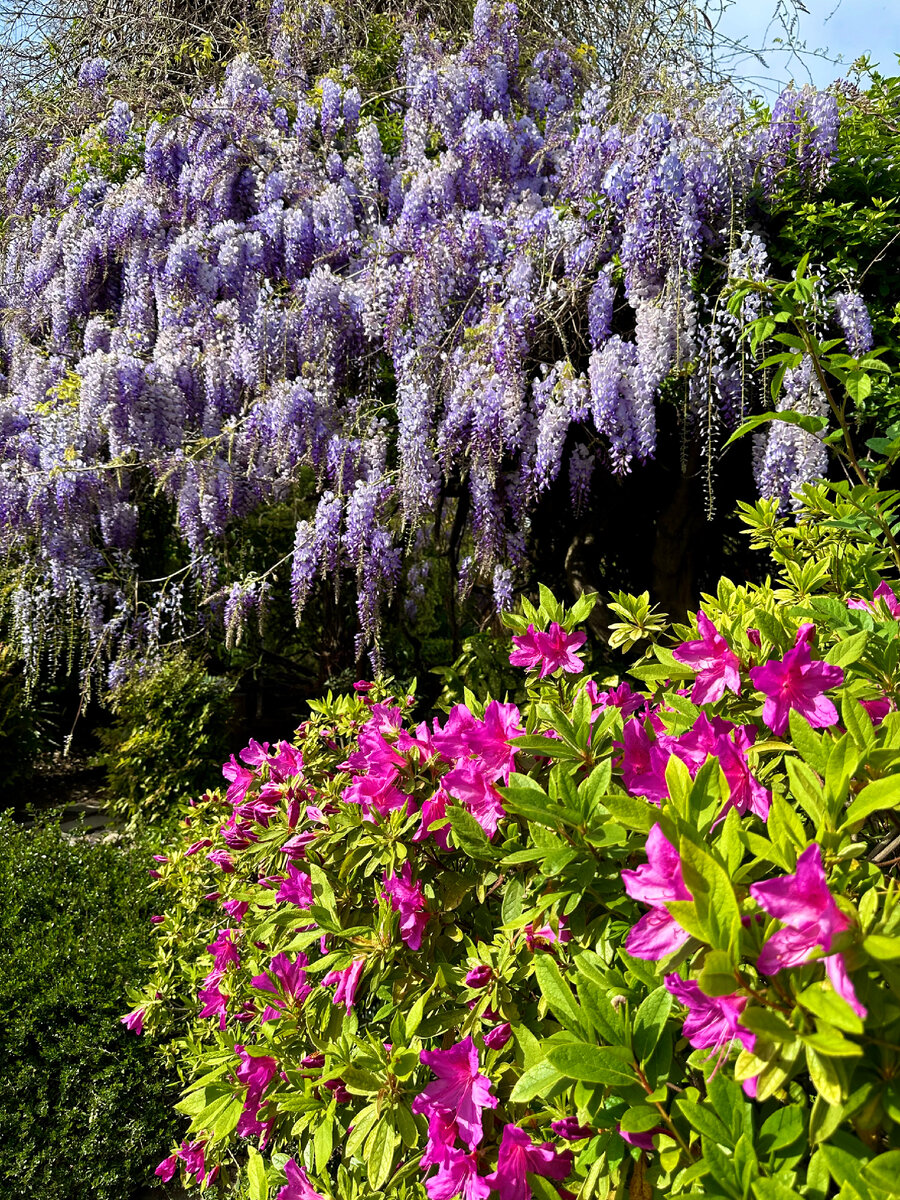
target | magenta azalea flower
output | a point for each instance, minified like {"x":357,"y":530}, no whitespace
{"x":459,"y":1092}
{"x":541,"y":939}
{"x":236,"y":909}
{"x":489,"y":739}
{"x":224,"y":951}
{"x":134,"y":1021}
{"x":406,"y":898}
{"x":496,"y":1038}
{"x":882,"y":592}
{"x":239,"y":780}
{"x":643,"y":1141}
{"x":296,"y":888}
{"x":222,"y":859}
{"x":457,"y":1175}
{"x":795,"y":681}
{"x":518,"y":1156}
{"x":712,"y":1021}
{"x":468,"y":784}
{"x":347,"y":981}
{"x":656,"y":883}
{"x":255,"y":1072}
{"x":804,"y":904}
{"x":570,"y":1129}
{"x":434,"y":810}
{"x":714,"y":661}
{"x":553,"y":650}
{"x":643,"y":763}
{"x":286,"y":981}
{"x":298,"y":1186}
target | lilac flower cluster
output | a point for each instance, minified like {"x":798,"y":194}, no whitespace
{"x":224,"y":313}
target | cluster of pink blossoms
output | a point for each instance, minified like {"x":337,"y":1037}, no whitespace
{"x":453,"y":1105}
{"x":476,"y":750}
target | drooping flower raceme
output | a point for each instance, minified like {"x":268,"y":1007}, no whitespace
{"x":797,"y":682}
{"x":812,"y":919}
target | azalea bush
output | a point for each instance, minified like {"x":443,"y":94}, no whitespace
{"x":610,"y":934}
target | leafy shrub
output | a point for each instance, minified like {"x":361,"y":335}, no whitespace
{"x":615,"y":939}
{"x":156,"y":717}
{"x":20,"y":738}
{"x":83,"y":1107}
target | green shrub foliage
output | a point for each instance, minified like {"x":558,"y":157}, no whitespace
{"x":170,"y":728}
{"x":614,"y":938}
{"x":83,"y":1106}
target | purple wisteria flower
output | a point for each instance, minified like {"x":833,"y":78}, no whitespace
{"x":797,"y":682}
{"x":804,"y":904}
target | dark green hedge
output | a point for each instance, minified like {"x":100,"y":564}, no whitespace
{"x":83,"y":1104}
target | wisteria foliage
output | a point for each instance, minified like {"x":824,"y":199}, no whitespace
{"x":261,"y":286}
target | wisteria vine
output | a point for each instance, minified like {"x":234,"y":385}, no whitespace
{"x":434,"y":329}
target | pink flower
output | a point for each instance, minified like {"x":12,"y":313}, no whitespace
{"x":569,"y":1129}
{"x":457,"y":1175}
{"x":236,"y":909}
{"x":289,"y":982}
{"x":214,"y":1003}
{"x":298,"y":1186}
{"x":643,"y":1141}
{"x":805,"y":905}
{"x":643,"y":763}
{"x":882,"y":592}
{"x":224,"y":951}
{"x":656,"y":883}
{"x":797,"y":682}
{"x":459,"y":1092}
{"x":489,"y":739}
{"x":347,"y":981}
{"x":197,"y":846}
{"x":552,"y":650}
{"x":406,"y":898}
{"x":877,"y":709}
{"x":255,"y":754}
{"x":453,"y":740}
{"x":746,"y":793}
{"x":621,"y":697}
{"x":255,"y":1072}
{"x":239,"y":780}
{"x":540,"y":939}
{"x":296,"y":888}
{"x":496,"y":1038}
{"x":134,"y":1021}
{"x":434,"y":810}
{"x":518,"y":1156}
{"x":712,"y":1021}
{"x":166,"y":1168}
{"x":222,"y":859}
{"x":714,"y":661}
{"x":479,"y":976}
{"x":468,"y":784}
{"x":527,"y":651}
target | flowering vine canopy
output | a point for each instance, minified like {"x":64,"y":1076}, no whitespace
{"x":421,"y":311}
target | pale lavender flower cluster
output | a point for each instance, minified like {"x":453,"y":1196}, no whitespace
{"x":854,"y":321}
{"x":227,"y":314}
{"x":787,"y":457}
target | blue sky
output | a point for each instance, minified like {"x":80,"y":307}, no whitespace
{"x":847,"y":28}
